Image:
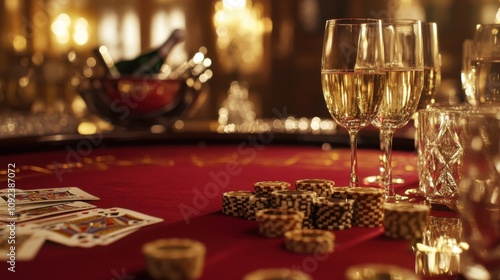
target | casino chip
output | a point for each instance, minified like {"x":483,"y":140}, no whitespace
{"x":322,"y":187}
{"x":379,"y":271}
{"x":309,"y":241}
{"x":405,"y":220}
{"x":368,"y":210}
{"x":174,"y":258}
{"x":235,"y":203}
{"x":266,"y":188}
{"x":275,"y":222}
{"x":276,"y":274}
{"x":297,"y":200}
{"x":333,"y":213}
{"x":256,"y":203}
{"x":340,"y":192}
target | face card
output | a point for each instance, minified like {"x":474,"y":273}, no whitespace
{"x":45,"y":195}
{"x":24,"y":244}
{"x":25,"y":207}
{"x":94,"y":227}
{"x":48,"y":210}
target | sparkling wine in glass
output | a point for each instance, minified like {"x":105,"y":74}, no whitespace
{"x":432,"y":79}
{"x":467,"y":72}
{"x":352,"y":76}
{"x":432,"y":64}
{"x":404,"y":68}
{"x":486,"y":64}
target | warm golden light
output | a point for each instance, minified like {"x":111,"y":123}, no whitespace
{"x":239,"y":26}
{"x":19,"y":43}
{"x":160,"y":27}
{"x":131,"y":34}
{"x":87,"y":128}
{"x":12,"y":5}
{"x":60,"y":28}
{"x":107,"y":31}
{"x":234,"y":3}
{"x":81,"y":32}
{"x":91,"y":62}
{"x":163,"y":23}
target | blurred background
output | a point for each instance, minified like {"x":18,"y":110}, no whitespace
{"x":272,"y":46}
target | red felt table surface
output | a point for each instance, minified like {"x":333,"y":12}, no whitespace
{"x":184,"y":185}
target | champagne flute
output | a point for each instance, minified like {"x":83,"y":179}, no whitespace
{"x":432,"y":64}
{"x":404,"y":67}
{"x":352,"y":76}
{"x":432,"y":78}
{"x":486,"y":63}
{"x":467,"y":72}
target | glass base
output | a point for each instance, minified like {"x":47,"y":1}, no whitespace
{"x":396,"y":198}
{"x":415,"y":192}
{"x":375,"y":180}
{"x":442,"y":204}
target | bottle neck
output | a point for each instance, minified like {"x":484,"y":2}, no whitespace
{"x":157,"y":57}
{"x":174,"y":38}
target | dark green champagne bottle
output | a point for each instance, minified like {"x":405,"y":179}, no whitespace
{"x":151,"y":62}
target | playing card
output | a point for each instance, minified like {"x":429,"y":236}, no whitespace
{"x":45,"y":195}
{"x":24,"y":207}
{"x":44,"y":211}
{"x":94,"y":227}
{"x":23,"y":243}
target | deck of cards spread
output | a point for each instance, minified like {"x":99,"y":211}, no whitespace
{"x":61,"y":216}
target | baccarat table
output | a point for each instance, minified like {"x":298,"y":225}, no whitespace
{"x":183,"y":184}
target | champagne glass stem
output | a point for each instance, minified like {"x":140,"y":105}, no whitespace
{"x":381,"y":174}
{"x":353,"y":137}
{"x":387,"y":136}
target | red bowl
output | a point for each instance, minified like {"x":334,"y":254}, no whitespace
{"x":147,"y":96}
{"x":141,"y":101}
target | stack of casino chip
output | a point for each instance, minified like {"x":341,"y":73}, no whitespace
{"x":275,"y":222}
{"x":263,"y":191}
{"x":266,"y":188}
{"x":405,"y":220}
{"x":174,"y":258}
{"x":299,"y":200}
{"x":235,"y":203}
{"x":340,"y":192}
{"x":256,"y":203}
{"x":277,"y":273}
{"x":333,"y":213}
{"x":368,"y":210}
{"x":380,"y":271}
{"x":322,"y":188}
{"x":309,"y":241}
